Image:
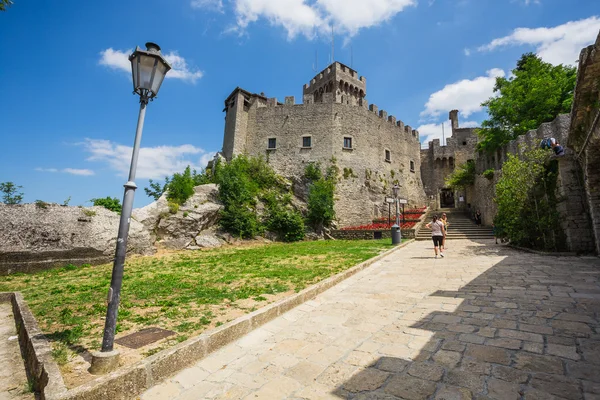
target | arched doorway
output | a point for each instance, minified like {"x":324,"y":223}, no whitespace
{"x":446,"y":198}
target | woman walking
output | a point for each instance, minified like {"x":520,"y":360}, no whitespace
{"x":478,"y":218}
{"x":437,"y":234}
{"x":444,"y":220}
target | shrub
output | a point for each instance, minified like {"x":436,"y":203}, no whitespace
{"x":463,"y":176}
{"x":89,"y":213}
{"x":320,"y":203}
{"x":488,"y":173}
{"x":110,"y":203}
{"x":41,"y":204}
{"x":287,"y":223}
{"x":181,"y":187}
{"x":10,"y":193}
{"x":173,"y":207}
{"x":312,"y":172}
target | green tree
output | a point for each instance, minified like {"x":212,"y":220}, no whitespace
{"x":462,"y":176}
{"x":155,"y":189}
{"x":525,"y":195}
{"x":4,"y":4}
{"x":320,"y":203}
{"x":181,"y":186}
{"x":110,"y":203}
{"x":10,"y":193}
{"x":535,"y":93}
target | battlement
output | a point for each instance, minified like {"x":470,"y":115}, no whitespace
{"x":344,"y":82}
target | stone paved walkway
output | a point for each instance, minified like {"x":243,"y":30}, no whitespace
{"x":13,"y":381}
{"x":486,"y":322}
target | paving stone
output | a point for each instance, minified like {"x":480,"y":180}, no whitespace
{"x":431,"y":372}
{"x":509,"y":374}
{"x":305,"y":372}
{"x":409,"y":388}
{"x":488,"y":354}
{"x":531,"y":347}
{"x":535,"y":363}
{"x":462,"y":328}
{"x":557,"y":385}
{"x":583,"y":370}
{"x":448,"y":359}
{"x":503,"y":323}
{"x":392,"y":364}
{"x":471,"y":338}
{"x":502,"y":390}
{"x":569,"y":352}
{"x":474,"y":382}
{"x":454,"y":345}
{"x":506,"y":343}
{"x":453,"y":393}
{"x":590,"y":350}
{"x":512,"y":334}
{"x":369,"y":379}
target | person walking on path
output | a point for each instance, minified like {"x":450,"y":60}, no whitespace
{"x":437,"y":234}
{"x":478,"y":218}
{"x":444,"y":220}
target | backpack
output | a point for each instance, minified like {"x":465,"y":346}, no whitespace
{"x":547,"y":143}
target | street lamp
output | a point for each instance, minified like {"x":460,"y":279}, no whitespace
{"x":148,"y":68}
{"x":396,"y":232}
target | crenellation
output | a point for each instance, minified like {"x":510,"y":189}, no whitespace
{"x":373,"y":108}
{"x":272,"y":102}
{"x":290,"y":100}
{"x":383,"y":114}
{"x":392,"y":119}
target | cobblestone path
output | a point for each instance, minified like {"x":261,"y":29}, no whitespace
{"x":486,"y":322}
{"x":13,"y":381}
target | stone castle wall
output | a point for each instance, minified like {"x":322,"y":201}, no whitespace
{"x":365,"y":178}
{"x":438,"y":162}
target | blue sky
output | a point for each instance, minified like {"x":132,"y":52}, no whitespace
{"x":68,"y":116}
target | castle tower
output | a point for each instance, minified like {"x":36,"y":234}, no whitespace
{"x":341,"y":81}
{"x":453,"y":116}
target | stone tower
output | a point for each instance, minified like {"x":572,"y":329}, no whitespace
{"x":343,"y":82}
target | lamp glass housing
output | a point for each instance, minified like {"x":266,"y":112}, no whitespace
{"x":148,"y":68}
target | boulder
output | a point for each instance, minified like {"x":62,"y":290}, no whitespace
{"x":35,"y":237}
{"x":179,"y":230}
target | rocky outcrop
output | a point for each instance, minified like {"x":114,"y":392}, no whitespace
{"x":189,"y":226}
{"x":35,"y":237}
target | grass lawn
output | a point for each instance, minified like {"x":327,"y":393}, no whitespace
{"x":185,"y":292}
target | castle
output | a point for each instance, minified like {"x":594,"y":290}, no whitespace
{"x":334,"y":124}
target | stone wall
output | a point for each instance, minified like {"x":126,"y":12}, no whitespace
{"x":438,"y":162}
{"x":584,"y":138}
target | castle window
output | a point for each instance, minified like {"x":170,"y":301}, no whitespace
{"x":412,"y":166}
{"x":347,"y":142}
{"x":272,"y":144}
{"x":306,"y":141}
{"x":388,"y":156}
{"x":464,"y":143}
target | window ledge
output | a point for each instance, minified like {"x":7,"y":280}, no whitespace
{"x":305,"y":147}
{"x":348,"y":148}
{"x":271,"y":148}
{"x":388,"y":161}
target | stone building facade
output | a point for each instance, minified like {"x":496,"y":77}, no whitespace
{"x":438,"y":162}
{"x":334,"y":124}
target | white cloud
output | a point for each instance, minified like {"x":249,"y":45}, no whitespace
{"x":310,"y":16}
{"x":214,"y":5}
{"x":72,"y":171}
{"x":154,"y":162}
{"x":429,"y":132}
{"x":83,"y":172}
{"x":558,"y":45}
{"x":465,"y":96}
{"x":467,"y":52}
{"x":119,"y":60}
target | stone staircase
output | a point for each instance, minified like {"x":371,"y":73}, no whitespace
{"x":460,"y":226}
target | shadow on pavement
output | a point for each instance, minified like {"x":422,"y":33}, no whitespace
{"x":521,"y":330}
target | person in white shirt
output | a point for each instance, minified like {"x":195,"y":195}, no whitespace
{"x":437,"y":234}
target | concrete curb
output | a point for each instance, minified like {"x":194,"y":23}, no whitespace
{"x":131,"y":381}
{"x":542,"y":253}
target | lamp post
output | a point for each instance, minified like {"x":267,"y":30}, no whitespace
{"x":396,"y":232}
{"x":148,"y":69}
